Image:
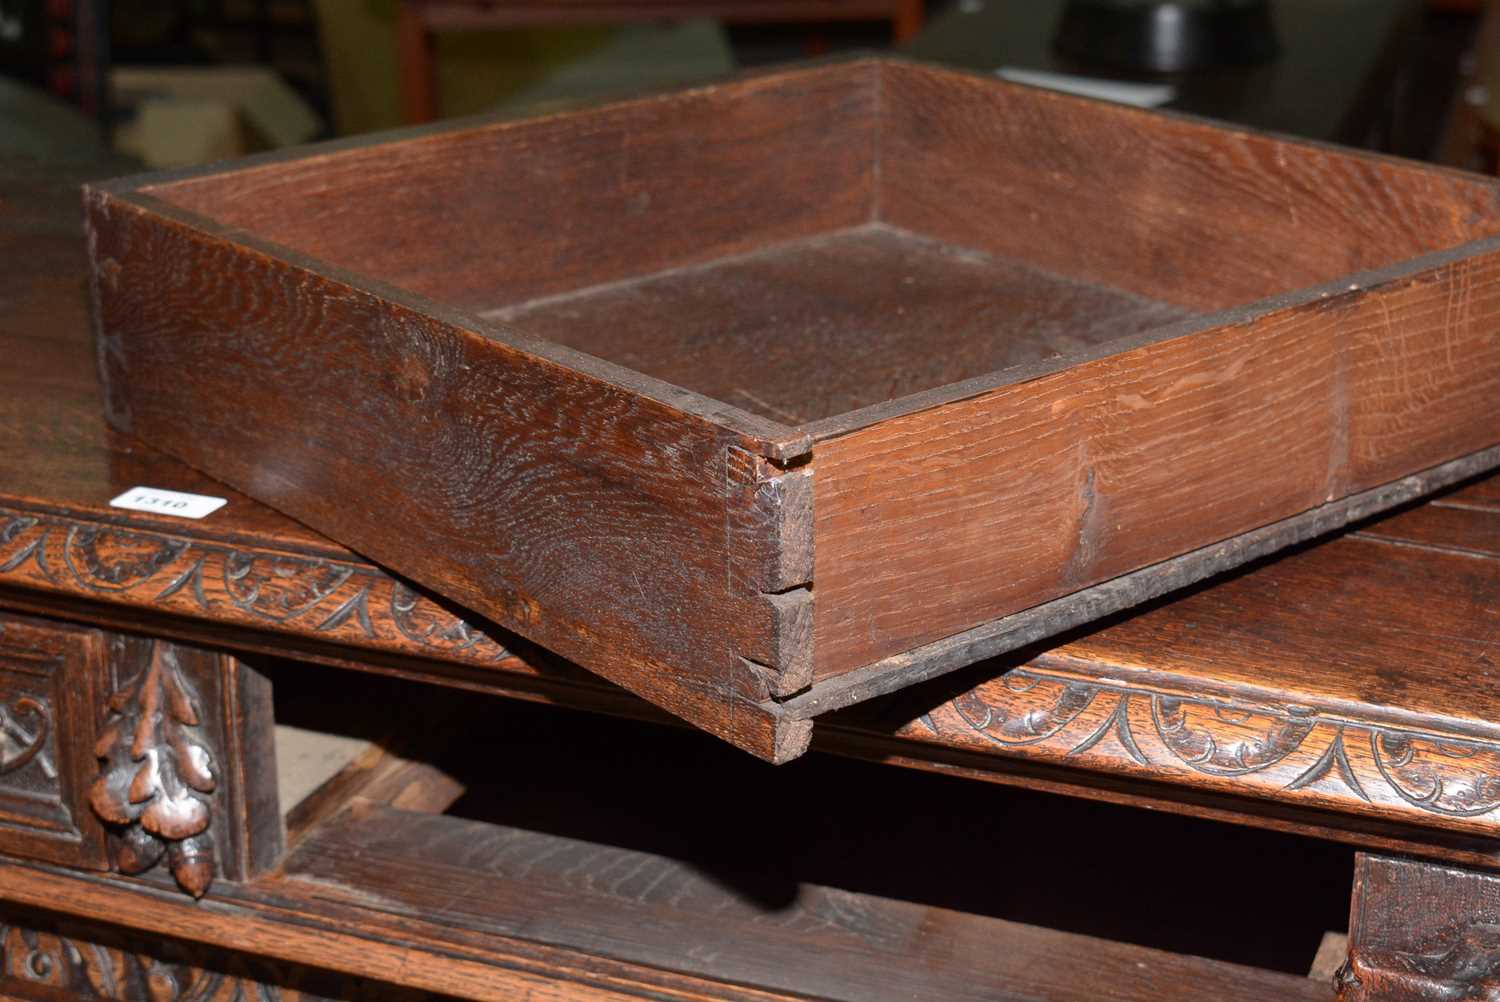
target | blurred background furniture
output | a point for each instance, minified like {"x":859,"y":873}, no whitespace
{"x":421,"y":19}
{"x":1343,"y":69}
{"x":1471,"y":136}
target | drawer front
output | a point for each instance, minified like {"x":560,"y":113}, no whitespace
{"x":48,"y":677}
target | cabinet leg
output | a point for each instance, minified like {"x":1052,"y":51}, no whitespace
{"x":1421,"y":932}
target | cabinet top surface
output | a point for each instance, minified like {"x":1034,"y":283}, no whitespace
{"x":55,"y":449}
{"x":1382,"y":642}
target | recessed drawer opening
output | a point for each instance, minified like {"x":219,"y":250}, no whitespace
{"x":656,"y":845}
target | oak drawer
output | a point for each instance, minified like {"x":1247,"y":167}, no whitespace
{"x":49,"y":675}
{"x":763,"y":398}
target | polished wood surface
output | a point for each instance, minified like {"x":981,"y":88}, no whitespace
{"x":1314,"y":680}
{"x":301,"y":922}
{"x":650,"y":480}
{"x":540,"y":485}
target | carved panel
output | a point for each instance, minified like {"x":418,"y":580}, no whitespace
{"x":47,"y":674}
{"x":43,"y":959}
{"x":1228,"y":741}
{"x":1342,"y":757}
{"x":345,"y":601}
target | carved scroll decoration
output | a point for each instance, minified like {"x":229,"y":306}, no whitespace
{"x":1281,"y":751}
{"x":321,"y":597}
{"x":24,"y":727}
{"x":80,"y":964}
{"x":1238,"y":743}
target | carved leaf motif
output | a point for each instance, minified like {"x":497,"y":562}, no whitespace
{"x":16,"y":528}
{"x":193,"y":764}
{"x":138,"y":850}
{"x":1222,"y":740}
{"x":1008,"y":714}
{"x":156,"y":776}
{"x":280,"y":588}
{"x":175,"y":815}
{"x":112,"y":559}
{"x":421,"y":620}
{"x":192,"y":863}
{"x":147,"y":780}
{"x":309,"y":594}
{"x":1454,"y":778}
{"x":13,"y":526}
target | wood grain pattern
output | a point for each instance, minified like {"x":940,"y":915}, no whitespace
{"x":1305,"y":755}
{"x":1074,"y":477}
{"x":652,"y":910}
{"x":1423,"y":368}
{"x":323,"y":943}
{"x":1202,"y":650}
{"x":1483,"y":493}
{"x":1314,"y":680}
{"x":1339,"y":625}
{"x":442,"y":927}
{"x":1449,"y":527}
{"x":586,"y":197}
{"x":576,"y":484}
{"x":1308,"y":608}
{"x":1204,"y":216}
{"x":1421,"y":933}
{"x":817,"y":327}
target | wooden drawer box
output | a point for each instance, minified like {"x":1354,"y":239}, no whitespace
{"x":765,"y":397}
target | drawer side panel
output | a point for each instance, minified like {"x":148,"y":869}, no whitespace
{"x":935,"y":522}
{"x":585,"y":516}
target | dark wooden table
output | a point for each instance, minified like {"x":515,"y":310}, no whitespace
{"x":1348,"y":691}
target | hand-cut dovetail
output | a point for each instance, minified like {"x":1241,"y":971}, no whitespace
{"x":771,"y":559}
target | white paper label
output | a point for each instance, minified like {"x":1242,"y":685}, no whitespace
{"x":1142,"y":95}
{"x":164,"y":502}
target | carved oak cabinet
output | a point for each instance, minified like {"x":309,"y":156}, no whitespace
{"x":232,"y":764}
